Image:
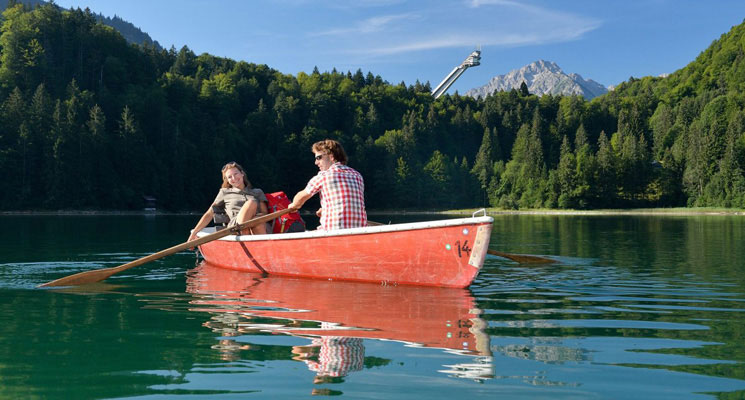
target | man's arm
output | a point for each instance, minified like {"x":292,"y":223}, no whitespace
{"x":300,"y":198}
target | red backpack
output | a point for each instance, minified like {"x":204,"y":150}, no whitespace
{"x":291,"y":222}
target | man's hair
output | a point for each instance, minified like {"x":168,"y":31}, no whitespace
{"x":332,"y":147}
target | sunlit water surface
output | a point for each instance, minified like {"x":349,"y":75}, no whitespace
{"x":634,"y":308}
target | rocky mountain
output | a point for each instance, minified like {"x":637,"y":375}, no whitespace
{"x":541,"y":77}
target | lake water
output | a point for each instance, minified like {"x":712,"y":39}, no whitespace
{"x":634,"y":308}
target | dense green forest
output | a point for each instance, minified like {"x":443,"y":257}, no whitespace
{"x":89,"y":121}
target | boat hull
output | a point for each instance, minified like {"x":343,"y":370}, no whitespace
{"x":446,"y":253}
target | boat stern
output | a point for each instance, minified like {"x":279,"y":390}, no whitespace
{"x":480,"y":246}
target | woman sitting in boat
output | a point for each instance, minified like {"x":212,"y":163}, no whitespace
{"x":342,"y":188}
{"x":240,"y":201}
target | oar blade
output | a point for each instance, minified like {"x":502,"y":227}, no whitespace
{"x":82,"y":278}
{"x":522,"y":258}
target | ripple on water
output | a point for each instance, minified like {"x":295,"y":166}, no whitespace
{"x":27,"y":275}
{"x":31,"y":274}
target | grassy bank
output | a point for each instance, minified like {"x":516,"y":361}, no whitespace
{"x":635,"y":211}
{"x":465,"y":211}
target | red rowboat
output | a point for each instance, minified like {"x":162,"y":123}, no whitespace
{"x":446,"y":253}
{"x":445,"y":318}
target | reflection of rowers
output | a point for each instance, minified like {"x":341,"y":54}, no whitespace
{"x":422,"y":316}
{"x":331,"y":357}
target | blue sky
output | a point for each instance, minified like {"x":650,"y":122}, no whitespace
{"x":405,"y":40}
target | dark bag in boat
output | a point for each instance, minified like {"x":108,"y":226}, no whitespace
{"x":219,"y":217}
{"x":291,"y":222}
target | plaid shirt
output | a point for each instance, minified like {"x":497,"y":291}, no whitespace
{"x":342,"y":197}
{"x":338,"y":356}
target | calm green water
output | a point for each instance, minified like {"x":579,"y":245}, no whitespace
{"x":635,"y":308}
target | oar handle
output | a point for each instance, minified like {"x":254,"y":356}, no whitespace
{"x":204,"y":239}
{"x":231,"y":230}
{"x":101,"y":274}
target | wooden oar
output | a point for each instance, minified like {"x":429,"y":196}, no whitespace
{"x":98,"y":275}
{"x":521,"y":258}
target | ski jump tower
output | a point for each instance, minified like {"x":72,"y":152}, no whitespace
{"x":471,"y":61}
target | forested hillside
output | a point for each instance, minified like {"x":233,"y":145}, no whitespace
{"x":90,"y":121}
{"x":130,"y":32}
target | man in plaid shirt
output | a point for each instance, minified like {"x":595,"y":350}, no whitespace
{"x":342,"y":189}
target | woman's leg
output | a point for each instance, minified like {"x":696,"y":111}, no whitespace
{"x":246,"y":213}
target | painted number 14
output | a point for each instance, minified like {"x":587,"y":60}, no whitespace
{"x":463,"y":248}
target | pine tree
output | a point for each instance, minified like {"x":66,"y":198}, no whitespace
{"x":482,"y":166}
{"x":585,"y":189}
{"x":405,"y":186}
{"x":524,"y":89}
{"x":566,"y":176}
{"x":438,"y":177}
{"x":606,"y":173}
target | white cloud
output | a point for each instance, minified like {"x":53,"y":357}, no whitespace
{"x":479,"y":3}
{"x":444,"y":24}
{"x":370,"y":25}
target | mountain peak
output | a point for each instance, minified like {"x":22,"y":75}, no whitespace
{"x":544,"y":65}
{"x":542,"y":77}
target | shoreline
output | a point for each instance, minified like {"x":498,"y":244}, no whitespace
{"x":494,"y":212}
{"x":608,"y":212}
{"x":93,"y":213}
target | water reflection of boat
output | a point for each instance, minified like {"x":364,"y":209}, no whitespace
{"x":325,"y":310}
